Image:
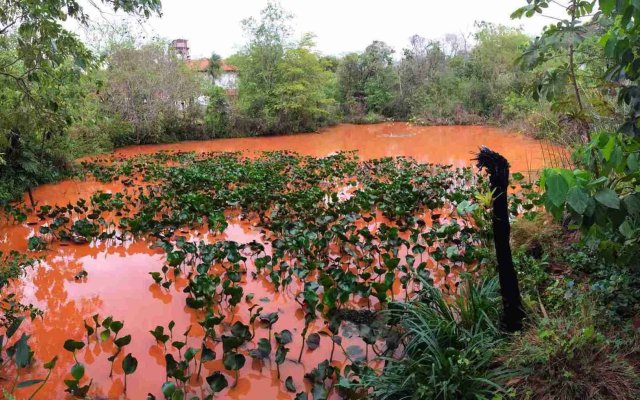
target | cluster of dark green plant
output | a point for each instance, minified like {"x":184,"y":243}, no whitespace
{"x":15,"y":352}
{"x":68,"y":105}
{"x":44,"y":70}
{"x":342,"y":232}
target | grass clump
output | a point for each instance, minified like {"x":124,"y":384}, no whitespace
{"x":449,"y":347}
{"x":566,"y":356}
{"x":536,"y":236}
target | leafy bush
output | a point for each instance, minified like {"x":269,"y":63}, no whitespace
{"x":28,"y":165}
{"x":217,"y":114}
{"x":152,"y":90}
{"x":601,"y":195}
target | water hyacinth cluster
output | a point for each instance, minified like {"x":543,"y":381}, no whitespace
{"x":344,"y":237}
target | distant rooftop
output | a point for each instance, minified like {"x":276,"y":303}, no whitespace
{"x":202,"y":64}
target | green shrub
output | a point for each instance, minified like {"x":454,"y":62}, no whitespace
{"x":217,"y":115}
{"x":450,"y":347}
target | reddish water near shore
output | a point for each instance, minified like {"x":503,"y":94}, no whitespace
{"x":429,"y":144}
{"x":118,"y":282}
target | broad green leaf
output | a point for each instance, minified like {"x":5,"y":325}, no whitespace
{"x":73,"y":345}
{"x":116,"y":326}
{"x":608,"y":148}
{"x":177,"y":395}
{"x":313,"y":341}
{"x":632,"y":162}
{"x":207,"y":355}
{"x":190,"y":353}
{"x":285,"y":337}
{"x":557,"y":189}
{"x":263,"y":350}
{"x":14,"y":326}
{"x":288,"y":383}
{"x":632,"y":205}
{"x":577,"y":200}
{"x":28,"y":383}
{"x":168,"y":388}
{"x":626,"y":229}
{"x":607,"y":6}
{"x":233,"y":361}
{"x":281,"y":354}
{"x":608,"y":198}
{"x":51,"y":364}
{"x":123,"y":341}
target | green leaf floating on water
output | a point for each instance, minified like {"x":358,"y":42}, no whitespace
{"x":73,"y":345}
{"x":313,"y":341}
{"x":288,"y":383}
{"x":217,"y":382}
{"x":233,"y":361}
{"x":14,"y":326}
{"x":77,"y":371}
{"x":28,"y":383}
{"x":129,"y":364}
{"x":51,"y":364}
{"x":168,"y":388}
{"x":123,"y":341}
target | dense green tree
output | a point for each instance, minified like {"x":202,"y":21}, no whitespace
{"x":151,"y":90}
{"x":217,"y":118}
{"x":449,"y":81}
{"x":422,"y":61}
{"x":282,"y":83}
{"x":621,"y":44}
{"x":380,"y":77}
{"x":41,"y":64}
{"x":368,"y":81}
{"x":567,"y":59}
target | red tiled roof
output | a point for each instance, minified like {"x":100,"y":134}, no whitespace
{"x":202,"y":64}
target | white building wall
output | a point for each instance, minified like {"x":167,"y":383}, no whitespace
{"x":228,"y":80}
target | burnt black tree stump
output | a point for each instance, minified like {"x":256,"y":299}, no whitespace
{"x":498,"y":168}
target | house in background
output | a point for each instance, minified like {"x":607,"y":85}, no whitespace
{"x":228,"y":79}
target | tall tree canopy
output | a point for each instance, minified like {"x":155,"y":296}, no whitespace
{"x":282,"y":81}
{"x":41,"y":64}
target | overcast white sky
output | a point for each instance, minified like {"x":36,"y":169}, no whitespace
{"x":340,"y":25}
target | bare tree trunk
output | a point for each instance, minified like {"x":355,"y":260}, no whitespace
{"x":498,"y":168}
{"x":574,"y":80}
{"x":31,"y":199}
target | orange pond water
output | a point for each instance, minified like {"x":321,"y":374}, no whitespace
{"x":118,"y":282}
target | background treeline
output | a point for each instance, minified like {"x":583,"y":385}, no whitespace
{"x":63,"y":98}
